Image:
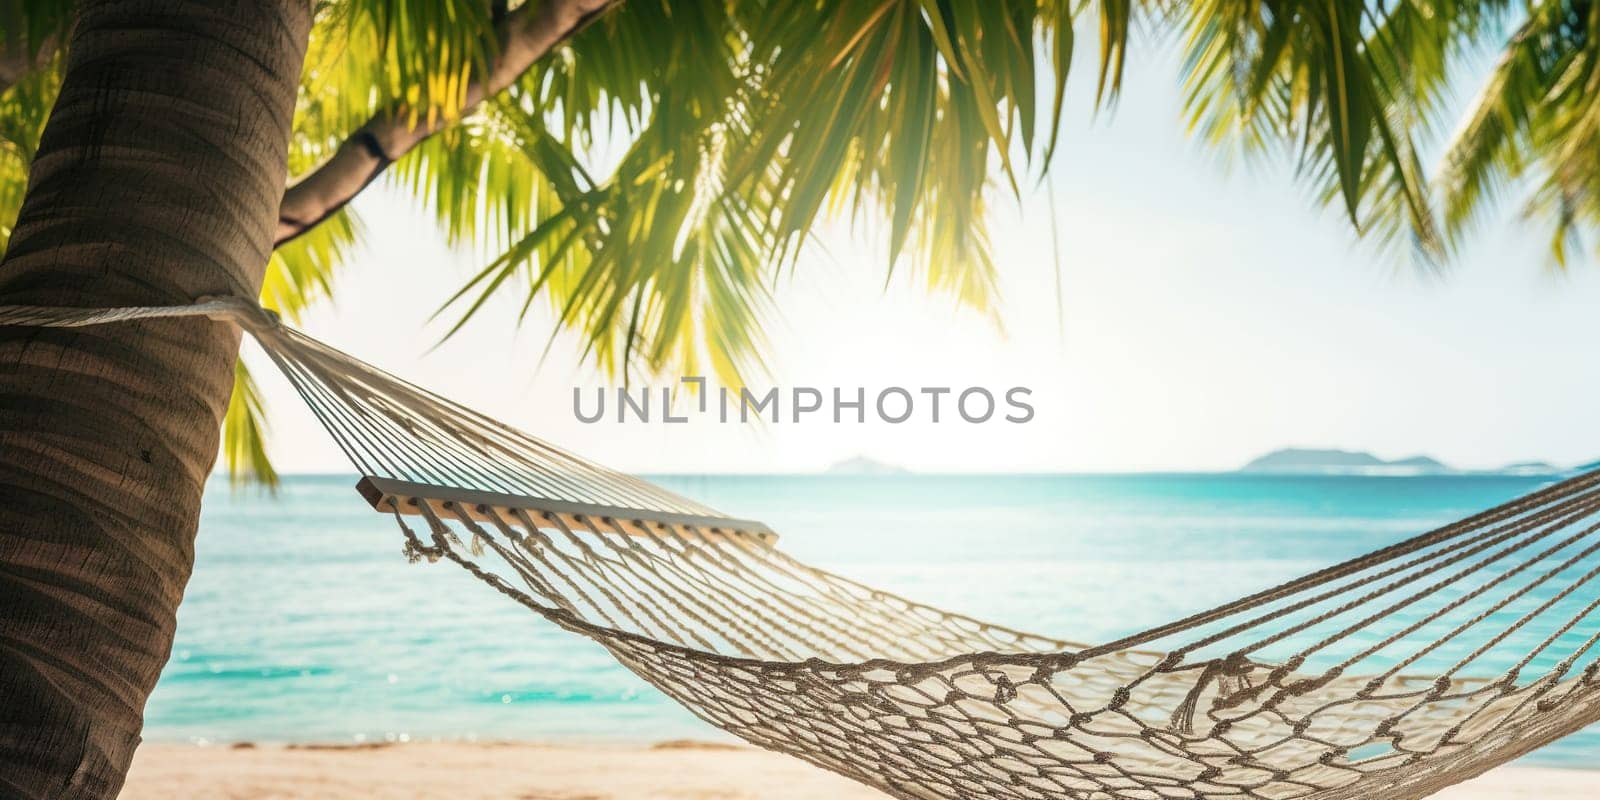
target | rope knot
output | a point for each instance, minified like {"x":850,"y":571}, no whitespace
{"x":245,"y":313}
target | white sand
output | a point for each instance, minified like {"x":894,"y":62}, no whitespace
{"x":675,"y":771}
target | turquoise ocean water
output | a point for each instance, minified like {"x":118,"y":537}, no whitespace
{"x":305,"y":623}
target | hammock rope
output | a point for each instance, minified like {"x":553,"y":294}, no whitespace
{"x":1394,"y":674}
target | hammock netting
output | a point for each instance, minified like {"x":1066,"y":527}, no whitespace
{"x":1391,"y":675}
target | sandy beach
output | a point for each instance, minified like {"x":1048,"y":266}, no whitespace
{"x":515,"y":771}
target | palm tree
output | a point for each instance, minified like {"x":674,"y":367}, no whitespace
{"x":743,"y":123}
{"x":156,"y":180}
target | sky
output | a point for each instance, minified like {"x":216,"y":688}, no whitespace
{"x":1208,"y":313}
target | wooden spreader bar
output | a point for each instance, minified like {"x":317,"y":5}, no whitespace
{"x":477,"y":504}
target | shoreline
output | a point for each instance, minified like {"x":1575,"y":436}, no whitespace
{"x":679,"y":769}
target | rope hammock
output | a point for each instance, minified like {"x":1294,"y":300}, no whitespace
{"x":1392,"y":675}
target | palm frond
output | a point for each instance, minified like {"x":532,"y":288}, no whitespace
{"x":747,"y":125}
{"x":23,"y":111}
{"x":1535,"y":121}
{"x":244,"y":434}
{"x":31,"y":26}
{"x":1344,"y":90}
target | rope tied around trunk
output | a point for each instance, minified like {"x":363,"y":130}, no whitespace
{"x":246,"y":313}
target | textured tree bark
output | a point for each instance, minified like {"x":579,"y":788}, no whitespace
{"x":157,"y":181}
{"x":525,"y":36}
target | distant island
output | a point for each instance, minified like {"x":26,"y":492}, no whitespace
{"x":1317,"y":461}
{"x":1341,"y":462}
{"x":861,"y":465}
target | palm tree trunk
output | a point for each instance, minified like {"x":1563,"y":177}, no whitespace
{"x":157,"y":181}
